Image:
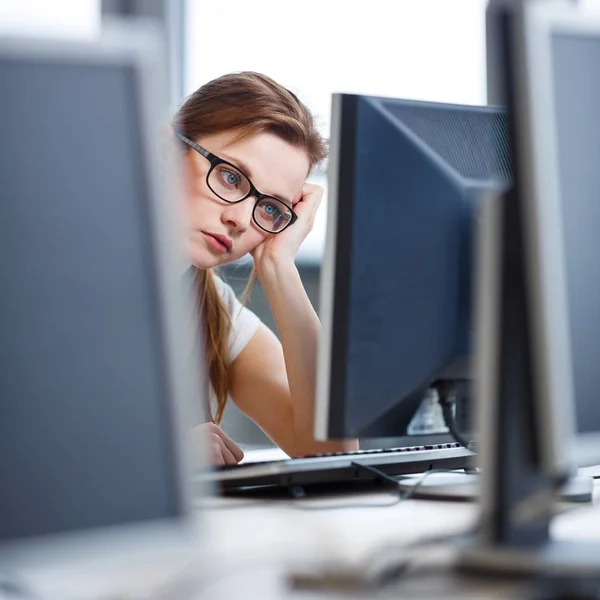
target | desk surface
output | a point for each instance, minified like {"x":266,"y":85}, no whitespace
{"x":250,"y":549}
{"x":256,"y":545}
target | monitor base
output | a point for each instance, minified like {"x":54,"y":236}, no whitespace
{"x":555,"y":560}
{"x":465,"y":486}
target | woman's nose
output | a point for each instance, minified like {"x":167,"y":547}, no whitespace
{"x":239,"y":215}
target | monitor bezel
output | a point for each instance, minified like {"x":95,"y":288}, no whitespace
{"x":327,"y":279}
{"x":329,"y":426}
{"x":138,"y":48}
{"x":562,"y":447}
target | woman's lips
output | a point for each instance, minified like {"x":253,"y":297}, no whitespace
{"x":218,"y":242}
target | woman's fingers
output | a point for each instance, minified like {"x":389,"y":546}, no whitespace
{"x":307,"y":207}
{"x":231,"y":446}
{"x":222,"y":449}
{"x":220,"y":454}
{"x":311,"y":196}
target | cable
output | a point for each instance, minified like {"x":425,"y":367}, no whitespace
{"x":402,"y":495}
{"x":308,"y":505}
{"x":447,"y":399}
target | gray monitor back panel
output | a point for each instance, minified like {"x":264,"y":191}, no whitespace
{"x":84,"y":440}
{"x":410,"y":175}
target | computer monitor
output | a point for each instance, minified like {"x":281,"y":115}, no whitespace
{"x":405,"y":178}
{"x":539,"y":301}
{"x":563,"y":220}
{"x":98,"y":368}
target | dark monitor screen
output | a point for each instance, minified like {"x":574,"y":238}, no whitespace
{"x":408,"y":176}
{"x":576,"y":61}
{"x":84,"y":438}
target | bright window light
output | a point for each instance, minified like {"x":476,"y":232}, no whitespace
{"x":57,"y":18}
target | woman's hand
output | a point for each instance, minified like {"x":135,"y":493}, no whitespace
{"x":221,"y":449}
{"x":281,"y":248}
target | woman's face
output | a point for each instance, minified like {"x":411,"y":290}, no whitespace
{"x":219,"y":232}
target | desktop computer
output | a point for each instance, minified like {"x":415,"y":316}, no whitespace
{"x":405,"y":181}
{"x":98,"y":365}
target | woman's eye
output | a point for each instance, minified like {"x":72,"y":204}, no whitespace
{"x":271,"y":210}
{"x":230,"y":177}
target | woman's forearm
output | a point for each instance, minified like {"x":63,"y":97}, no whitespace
{"x":299,"y":329}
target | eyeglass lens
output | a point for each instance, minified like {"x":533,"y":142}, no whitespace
{"x":232,"y":185}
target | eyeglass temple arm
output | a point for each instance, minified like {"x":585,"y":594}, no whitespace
{"x":195,"y":146}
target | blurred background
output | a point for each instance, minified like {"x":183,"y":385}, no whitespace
{"x":416,"y":49}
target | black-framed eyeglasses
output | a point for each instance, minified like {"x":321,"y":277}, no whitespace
{"x":230,"y":184}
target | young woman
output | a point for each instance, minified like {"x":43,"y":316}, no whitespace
{"x":249,"y":145}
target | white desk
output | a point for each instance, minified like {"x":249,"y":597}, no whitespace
{"x":251,"y":547}
{"x":255,"y":545}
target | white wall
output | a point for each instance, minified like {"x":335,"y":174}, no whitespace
{"x":420,"y":49}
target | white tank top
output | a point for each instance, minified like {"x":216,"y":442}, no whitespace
{"x":244,"y":323}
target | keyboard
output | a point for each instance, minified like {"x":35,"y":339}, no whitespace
{"x":337,"y":467}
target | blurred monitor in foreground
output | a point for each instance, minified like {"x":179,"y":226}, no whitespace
{"x":539,"y":304}
{"x":94,"y":358}
{"x":564,"y":211}
{"x":405,"y":180}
